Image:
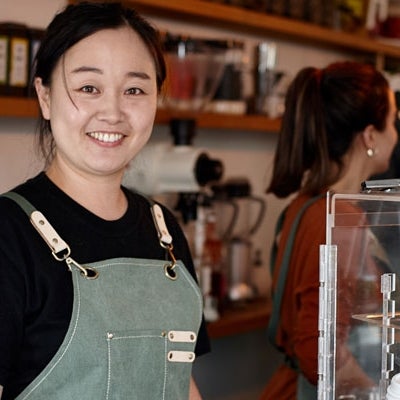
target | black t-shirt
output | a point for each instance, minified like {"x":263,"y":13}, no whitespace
{"x":36,"y":290}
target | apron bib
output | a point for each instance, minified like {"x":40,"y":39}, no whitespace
{"x":132,"y":332}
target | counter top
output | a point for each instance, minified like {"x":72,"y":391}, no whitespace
{"x":241,"y":318}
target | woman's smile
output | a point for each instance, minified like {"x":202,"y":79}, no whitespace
{"x":106,"y":137}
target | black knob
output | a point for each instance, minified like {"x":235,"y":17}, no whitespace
{"x":208,"y":170}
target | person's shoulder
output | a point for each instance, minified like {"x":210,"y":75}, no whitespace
{"x":309,"y":205}
{"x":31,"y":190}
{"x":145,"y":202}
{"x":33,"y":187}
{"x":308,"y":214}
{"x":9,"y":209}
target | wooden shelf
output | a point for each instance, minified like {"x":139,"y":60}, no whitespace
{"x":223,"y":121}
{"x":240,"y":19}
{"x":241,"y":319}
{"x":18,"y":107}
{"x":24,"y":107}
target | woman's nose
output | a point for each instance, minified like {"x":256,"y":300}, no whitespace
{"x":111,"y":108}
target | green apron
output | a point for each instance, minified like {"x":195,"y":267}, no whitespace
{"x":133,"y":328}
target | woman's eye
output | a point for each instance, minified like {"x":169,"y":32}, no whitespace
{"x":88,"y":89}
{"x":134,"y":91}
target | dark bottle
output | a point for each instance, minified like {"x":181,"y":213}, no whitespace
{"x":35,"y":39}
{"x":17,"y":58}
{"x":264,"y":78}
{"x":4,"y":58}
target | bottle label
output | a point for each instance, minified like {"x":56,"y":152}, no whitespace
{"x":3,"y":59}
{"x":19,"y":58}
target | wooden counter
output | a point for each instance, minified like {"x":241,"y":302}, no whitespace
{"x":241,"y":318}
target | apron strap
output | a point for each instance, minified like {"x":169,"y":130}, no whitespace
{"x":58,"y":246}
{"x":21,"y":201}
{"x":60,"y":249}
{"x":164,"y":237}
{"x":156,"y":211}
{"x":159,"y":221}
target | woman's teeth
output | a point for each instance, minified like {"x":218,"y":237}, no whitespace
{"x":106,"y":137}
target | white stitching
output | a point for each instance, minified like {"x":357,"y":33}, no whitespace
{"x":109,"y":368}
{"x":134,"y":337}
{"x":165,"y":367}
{"x":67,"y":346}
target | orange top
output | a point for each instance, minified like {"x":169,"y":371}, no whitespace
{"x":297,"y":332}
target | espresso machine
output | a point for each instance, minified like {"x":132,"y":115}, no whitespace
{"x":240,"y":214}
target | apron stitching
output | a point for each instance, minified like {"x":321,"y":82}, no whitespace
{"x":135,"y":337}
{"x":66,"y":348}
{"x":165,"y":368}
{"x":194,"y":287}
{"x":109,"y":368}
{"x":128,"y":264}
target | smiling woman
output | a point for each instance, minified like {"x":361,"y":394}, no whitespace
{"x":84,"y":293}
{"x":105,"y":100}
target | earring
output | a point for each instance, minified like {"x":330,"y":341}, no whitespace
{"x":370,"y":152}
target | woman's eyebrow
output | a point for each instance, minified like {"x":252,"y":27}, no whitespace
{"x":141,"y":75}
{"x":85,"y":68}
{"x":131,"y":74}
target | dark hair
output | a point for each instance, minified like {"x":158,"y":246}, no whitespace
{"x":324,"y":111}
{"x":77,"y":22}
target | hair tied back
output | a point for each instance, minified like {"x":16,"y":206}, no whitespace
{"x":318,"y":75}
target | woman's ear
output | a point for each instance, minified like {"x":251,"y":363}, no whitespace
{"x":43,"y":93}
{"x":369,"y":137}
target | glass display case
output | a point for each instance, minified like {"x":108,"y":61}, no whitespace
{"x":359,"y":320}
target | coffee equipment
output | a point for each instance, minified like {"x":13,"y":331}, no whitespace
{"x":194,"y":70}
{"x":173,"y":167}
{"x":182,"y":169}
{"x":240,"y":214}
{"x":270,"y":84}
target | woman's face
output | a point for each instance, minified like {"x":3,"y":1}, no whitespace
{"x":101,"y":102}
{"x":387,"y":139}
